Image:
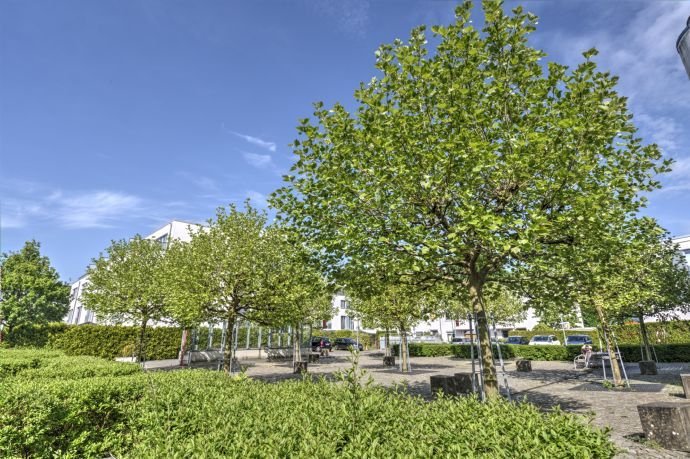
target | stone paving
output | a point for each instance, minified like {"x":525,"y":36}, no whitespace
{"x":550,"y":384}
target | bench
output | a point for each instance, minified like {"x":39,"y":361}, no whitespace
{"x":278,"y":353}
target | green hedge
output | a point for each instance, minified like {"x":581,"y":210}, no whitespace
{"x":671,"y":332}
{"x":185,"y":414}
{"x":118,"y":341}
{"x":35,"y":335}
{"x":631,"y":353}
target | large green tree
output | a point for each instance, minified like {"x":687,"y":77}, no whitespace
{"x":462,"y":164}
{"x":126,"y":284}
{"x":30,"y":289}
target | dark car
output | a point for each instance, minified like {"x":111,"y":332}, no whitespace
{"x":346,"y":343}
{"x":577,"y":340}
{"x":517,"y":340}
{"x":320,"y":342}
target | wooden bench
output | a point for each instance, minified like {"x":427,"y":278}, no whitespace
{"x":278,"y":353}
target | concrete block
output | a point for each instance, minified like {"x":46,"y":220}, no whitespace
{"x":389,"y":361}
{"x":463,"y":382}
{"x":685,"y":379}
{"x":667,"y":423}
{"x":648,"y":367}
{"x":523,"y":365}
{"x":443,"y":383}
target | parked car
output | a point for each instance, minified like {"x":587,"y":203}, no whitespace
{"x":517,"y":340}
{"x":540,"y":340}
{"x":577,"y":340}
{"x":345,"y":344}
{"x":320,"y":342}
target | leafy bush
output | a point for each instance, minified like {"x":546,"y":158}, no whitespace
{"x":671,"y":332}
{"x":631,"y":353}
{"x":110,"y":341}
{"x":14,"y":361}
{"x":185,"y":414}
{"x":35,"y":335}
{"x":314,"y":419}
{"x":664,"y":352}
{"x":44,"y":418}
{"x":79,"y":368}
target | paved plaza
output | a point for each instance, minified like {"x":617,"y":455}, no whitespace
{"x":550,"y":384}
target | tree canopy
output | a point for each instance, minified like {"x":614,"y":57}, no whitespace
{"x":30,"y":288}
{"x":127,"y":284}
{"x":465,"y":163}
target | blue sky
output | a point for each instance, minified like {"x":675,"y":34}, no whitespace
{"x":118,"y":116}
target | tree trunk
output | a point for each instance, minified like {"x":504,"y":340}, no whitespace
{"x":615,"y":367}
{"x":490,"y":382}
{"x":645,"y":338}
{"x":387,"y":343}
{"x":404,"y":361}
{"x":296,"y":344}
{"x":142,"y":346}
{"x":183,"y":346}
{"x":230,"y":357}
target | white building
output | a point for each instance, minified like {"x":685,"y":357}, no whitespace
{"x":175,"y":230}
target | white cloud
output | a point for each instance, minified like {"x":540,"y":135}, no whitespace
{"x":642,"y":52}
{"x":270,"y":146}
{"x":36,"y":204}
{"x":96,"y":209}
{"x":351,"y":16}
{"x":257,"y":160}
{"x":662,"y":130}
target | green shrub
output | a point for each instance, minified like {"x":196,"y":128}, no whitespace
{"x":44,"y":418}
{"x":45,"y":414}
{"x":631,"y":353}
{"x":14,"y":361}
{"x":35,"y":335}
{"x":111,"y":341}
{"x":188,"y":417}
{"x":664,"y":352}
{"x":79,"y":368}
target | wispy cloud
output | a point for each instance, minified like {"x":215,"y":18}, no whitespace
{"x":257,"y":160}
{"x":95,"y":210}
{"x":351,"y":16}
{"x":203,"y":182}
{"x":39,"y":204}
{"x":265,"y":144}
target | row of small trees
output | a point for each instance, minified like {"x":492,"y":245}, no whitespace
{"x":236,"y":268}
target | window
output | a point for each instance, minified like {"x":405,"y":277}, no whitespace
{"x":346,"y":323}
{"x":89,"y":316}
{"x":343,"y":304}
{"x":70,"y":315}
{"x":163,"y":241}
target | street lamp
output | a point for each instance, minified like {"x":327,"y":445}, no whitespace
{"x":683,"y":47}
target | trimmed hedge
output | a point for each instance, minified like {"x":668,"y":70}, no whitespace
{"x":671,"y":332}
{"x":35,"y":335}
{"x":631,"y":353}
{"x":185,"y":414}
{"x":118,"y":341}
